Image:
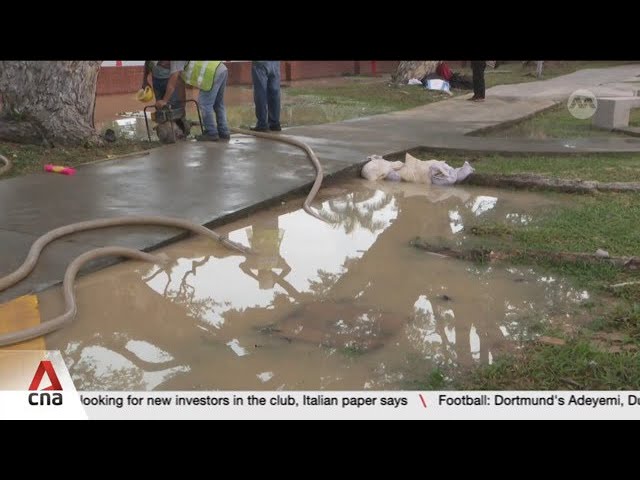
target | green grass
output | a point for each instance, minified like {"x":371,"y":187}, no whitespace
{"x":608,"y":221}
{"x":32,"y":158}
{"x":617,"y":167}
{"x":353,"y":351}
{"x":601,"y":356}
{"x":577,"y":365}
{"x":373,"y":97}
{"x":435,"y":380}
{"x":556,"y":122}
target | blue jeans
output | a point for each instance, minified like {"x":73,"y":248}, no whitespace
{"x":266,"y":93}
{"x":213,"y":101}
{"x":159,"y":89}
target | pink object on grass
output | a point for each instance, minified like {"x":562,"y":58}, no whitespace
{"x":60,"y":169}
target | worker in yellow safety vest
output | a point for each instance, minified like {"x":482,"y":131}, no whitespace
{"x":210,"y":77}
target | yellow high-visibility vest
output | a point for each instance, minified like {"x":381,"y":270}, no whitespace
{"x":200,"y":73}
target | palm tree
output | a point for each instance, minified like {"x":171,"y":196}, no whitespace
{"x":355,"y":210}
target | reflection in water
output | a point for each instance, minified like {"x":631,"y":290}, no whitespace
{"x":483,"y":204}
{"x":265,"y":238}
{"x":346,"y":304}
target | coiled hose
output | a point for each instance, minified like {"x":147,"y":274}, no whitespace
{"x":310,"y":154}
{"x":36,"y":249}
{"x":69,"y":296}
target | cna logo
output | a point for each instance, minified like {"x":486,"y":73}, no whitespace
{"x":45,"y":398}
{"x":45,"y":367}
{"x":582,"y":104}
{"x":35,"y":384}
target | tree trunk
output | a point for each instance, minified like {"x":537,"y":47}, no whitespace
{"x":48,"y":102}
{"x":415,"y":69}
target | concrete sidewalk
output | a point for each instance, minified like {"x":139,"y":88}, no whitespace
{"x":210,"y":183}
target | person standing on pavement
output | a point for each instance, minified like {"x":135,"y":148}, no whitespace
{"x":478,"y":67}
{"x":210,"y":77}
{"x":266,"y":95}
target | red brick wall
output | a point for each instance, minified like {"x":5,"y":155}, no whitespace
{"x":239,"y":73}
{"x":382,"y":66}
{"x":300,"y":70}
{"x":456,"y":64}
{"x":119,"y":80}
{"x":128,"y":79}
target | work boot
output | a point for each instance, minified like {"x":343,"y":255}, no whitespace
{"x":259,"y":129}
{"x":275,"y":128}
{"x":207,"y":137}
{"x":185,"y":126}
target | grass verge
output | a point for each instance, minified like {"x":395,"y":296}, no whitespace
{"x":602,"y":353}
{"x":557,"y":122}
{"x":605,"y":167}
{"x":32,"y":158}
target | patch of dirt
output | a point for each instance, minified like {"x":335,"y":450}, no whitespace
{"x":550,"y":341}
{"x":612,"y":342}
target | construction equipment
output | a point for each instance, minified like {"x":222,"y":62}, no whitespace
{"x":170,"y":114}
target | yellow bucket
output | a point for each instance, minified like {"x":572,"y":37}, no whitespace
{"x":145,"y":94}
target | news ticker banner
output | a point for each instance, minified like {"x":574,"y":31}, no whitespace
{"x":37,"y":385}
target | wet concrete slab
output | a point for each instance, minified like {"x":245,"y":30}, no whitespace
{"x":197,"y":181}
{"x":612,"y":81}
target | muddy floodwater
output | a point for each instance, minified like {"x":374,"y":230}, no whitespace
{"x":345,"y":304}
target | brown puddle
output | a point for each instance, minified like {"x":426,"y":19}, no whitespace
{"x":345,"y":305}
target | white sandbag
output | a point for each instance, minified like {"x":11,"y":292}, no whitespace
{"x":393,"y":176}
{"x":378,"y":168}
{"x":414,"y":170}
{"x":443,"y":174}
{"x":417,"y":171}
{"x":464,"y":171}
